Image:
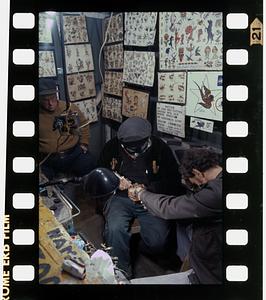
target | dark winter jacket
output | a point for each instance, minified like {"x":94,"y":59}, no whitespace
{"x":160,"y":165}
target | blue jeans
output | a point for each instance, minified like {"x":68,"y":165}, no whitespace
{"x":119,"y":213}
{"x":184,"y":239}
{"x":75,"y":162}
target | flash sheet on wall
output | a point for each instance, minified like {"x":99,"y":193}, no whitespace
{"x":75,"y":30}
{"x":172,"y":87}
{"x":46,"y":64}
{"x":81,"y":86}
{"x":114,"y":56}
{"x":115,"y":31}
{"x":191,"y":40}
{"x":135,"y":103}
{"x":200,"y":124}
{"x":89,"y":109}
{"x":78,"y":58}
{"x":204,"y":95}
{"x":171,"y":119}
{"x":112,"y":108}
{"x":113,"y":83}
{"x":45,"y":26}
{"x":140,"y":28}
{"x":139,"y":67}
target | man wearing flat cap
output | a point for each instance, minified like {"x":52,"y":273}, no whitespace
{"x":139,"y":158}
{"x":62,"y":150}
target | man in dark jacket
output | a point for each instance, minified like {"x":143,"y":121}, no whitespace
{"x":143,"y":159}
{"x":203,"y":207}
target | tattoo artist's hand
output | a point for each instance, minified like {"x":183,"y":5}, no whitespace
{"x":84,"y":148}
{"x":124,"y":184}
{"x":134,"y":191}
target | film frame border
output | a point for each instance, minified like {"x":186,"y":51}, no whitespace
{"x":249,"y":147}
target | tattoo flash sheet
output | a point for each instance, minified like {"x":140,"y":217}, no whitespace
{"x":78,"y":58}
{"x":75,"y":30}
{"x":191,"y":40}
{"x":113,"y":83}
{"x":81,"y":86}
{"x":115,"y":32}
{"x":205,"y":95}
{"x":140,"y":28}
{"x":45,"y":25}
{"x":112,"y":108}
{"x":172,"y":87}
{"x":139,"y":67}
{"x":171,"y":119}
{"x":200,"y":124}
{"x":47,"y":64}
{"x":114,"y":56}
{"x":135,"y":103}
{"x":89,"y":109}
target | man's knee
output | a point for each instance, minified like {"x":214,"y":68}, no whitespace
{"x":116,"y":226}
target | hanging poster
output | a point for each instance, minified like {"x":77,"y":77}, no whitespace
{"x":81,"y":86}
{"x":172,"y":87}
{"x":113,"y":83}
{"x":89,"y":109}
{"x":200,"y":124}
{"x":114,"y":56}
{"x":112,"y":108}
{"x":205,"y":95}
{"x":45,"y":28}
{"x":171,"y":119}
{"x":191,"y":40}
{"x":78,"y":58}
{"x":47,"y":64}
{"x":139,"y":67}
{"x":135,"y":103}
{"x":75,"y":30}
{"x":115,"y":31}
{"x":140,"y":28}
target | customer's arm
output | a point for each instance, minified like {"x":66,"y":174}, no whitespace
{"x":205,"y":203}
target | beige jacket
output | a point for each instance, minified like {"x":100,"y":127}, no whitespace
{"x":50,"y":141}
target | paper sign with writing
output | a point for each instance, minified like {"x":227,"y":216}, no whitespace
{"x":45,"y":26}
{"x":172,"y":87}
{"x":112,"y":108}
{"x":140,"y":28}
{"x":89,"y":109}
{"x":135,"y":103}
{"x":205,"y":95}
{"x":46,"y":64}
{"x":113,"y":83}
{"x":78,"y":58}
{"x":191,"y":40}
{"x":114,"y":56}
{"x":81,"y":86}
{"x":115,"y":31}
{"x":75,"y":29}
{"x":139,"y":67}
{"x":171,"y":119}
{"x":200,"y":124}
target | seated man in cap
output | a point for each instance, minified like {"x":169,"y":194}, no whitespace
{"x":63,"y":147}
{"x":143,"y":159}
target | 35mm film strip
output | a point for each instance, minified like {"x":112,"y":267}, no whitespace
{"x":242,"y":156}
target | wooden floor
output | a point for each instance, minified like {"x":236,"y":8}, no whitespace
{"x":91,"y":225}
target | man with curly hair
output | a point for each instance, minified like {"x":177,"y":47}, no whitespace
{"x":202,"y":206}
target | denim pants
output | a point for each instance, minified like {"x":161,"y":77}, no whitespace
{"x":75,"y":162}
{"x":119,"y":213}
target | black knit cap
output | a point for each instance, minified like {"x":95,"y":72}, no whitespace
{"x":47,"y":86}
{"x":134,"y":129}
